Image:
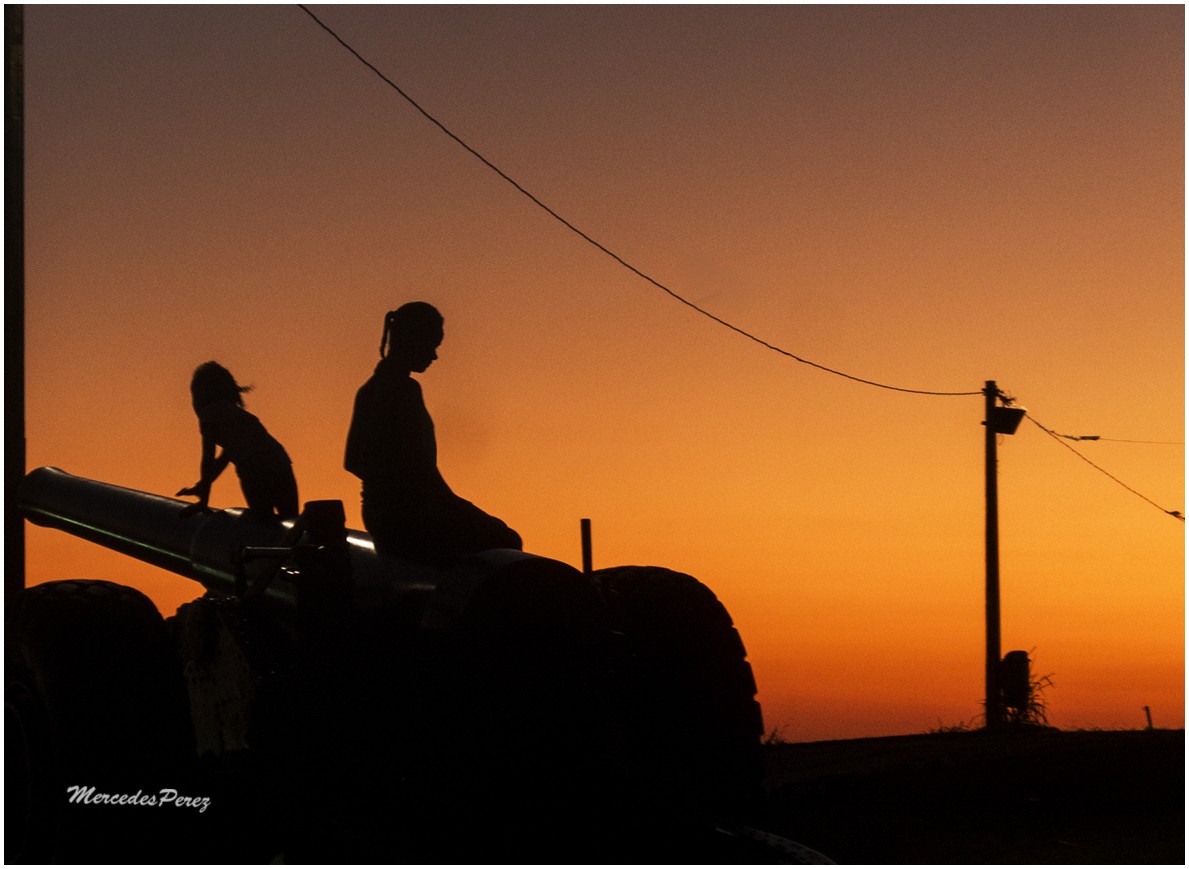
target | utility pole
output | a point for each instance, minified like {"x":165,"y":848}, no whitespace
{"x":994,"y":694}
{"x":998,"y":420}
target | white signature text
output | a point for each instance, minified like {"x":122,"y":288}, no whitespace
{"x":164,"y":797}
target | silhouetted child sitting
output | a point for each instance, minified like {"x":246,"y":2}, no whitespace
{"x":408,"y":508}
{"x":264,"y":470}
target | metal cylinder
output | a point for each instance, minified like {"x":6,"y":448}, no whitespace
{"x":209,"y":547}
{"x":1016,"y":680}
{"x":205,"y":546}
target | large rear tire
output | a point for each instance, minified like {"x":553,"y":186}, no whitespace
{"x":691,"y":725}
{"x":93,"y":699}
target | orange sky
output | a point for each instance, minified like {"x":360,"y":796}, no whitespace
{"x":928,"y":197}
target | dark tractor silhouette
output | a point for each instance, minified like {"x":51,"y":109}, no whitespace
{"x":333,"y":705}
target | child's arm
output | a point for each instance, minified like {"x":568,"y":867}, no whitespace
{"x":211,"y":467}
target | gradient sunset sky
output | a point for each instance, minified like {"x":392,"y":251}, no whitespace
{"x":928,"y":196}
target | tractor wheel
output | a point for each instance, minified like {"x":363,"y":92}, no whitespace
{"x":691,"y":725}
{"x":93,"y":699}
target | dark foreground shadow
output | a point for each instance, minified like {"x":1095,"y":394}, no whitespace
{"x":1083,"y":797}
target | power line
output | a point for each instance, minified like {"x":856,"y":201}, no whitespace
{"x":676,"y":296}
{"x":1126,"y":441}
{"x":1059,"y":438}
{"x":1116,"y":440}
{"x":598,"y":245}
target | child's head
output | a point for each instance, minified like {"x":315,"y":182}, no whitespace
{"x":212,"y":382}
{"x":412,"y":321}
{"x":412,"y":334}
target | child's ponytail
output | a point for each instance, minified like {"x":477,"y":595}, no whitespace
{"x":386,"y":338}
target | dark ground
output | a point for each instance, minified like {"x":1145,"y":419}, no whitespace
{"x":1042,"y":796}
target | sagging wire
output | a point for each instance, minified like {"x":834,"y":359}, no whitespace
{"x":1060,"y":438}
{"x":1115,"y":440}
{"x":597,"y":244}
{"x":1006,"y":399}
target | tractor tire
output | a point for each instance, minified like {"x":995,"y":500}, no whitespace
{"x":691,"y":728}
{"x":93,"y":699}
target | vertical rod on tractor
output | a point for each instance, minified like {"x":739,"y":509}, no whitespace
{"x":587,"y":558}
